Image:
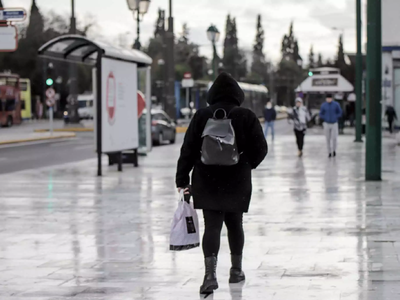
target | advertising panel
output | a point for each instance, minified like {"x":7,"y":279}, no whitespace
{"x":119,"y":106}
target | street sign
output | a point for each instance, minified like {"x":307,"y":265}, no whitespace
{"x":50,"y":93}
{"x":50,"y":102}
{"x":8,"y":39}
{"x":12,"y":14}
{"x":187,"y":81}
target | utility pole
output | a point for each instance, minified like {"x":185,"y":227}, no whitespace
{"x":373,"y":168}
{"x":73,"y":84}
{"x":359,"y":75}
{"x":170,"y":67}
{"x":137,"y":44}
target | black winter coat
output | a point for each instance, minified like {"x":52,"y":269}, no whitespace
{"x":222,"y":188}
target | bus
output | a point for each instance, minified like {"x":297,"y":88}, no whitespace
{"x":26,"y":98}
{"x":10,"y":104}
{"x":256,"y":96}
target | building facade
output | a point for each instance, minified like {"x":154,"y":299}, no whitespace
{"x":391,"y":55}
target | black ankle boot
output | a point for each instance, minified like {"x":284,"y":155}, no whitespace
{"x":210,"y":279}
{"x":237,"y":275}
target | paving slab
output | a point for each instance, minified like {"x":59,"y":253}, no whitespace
{"x":315,"y":230}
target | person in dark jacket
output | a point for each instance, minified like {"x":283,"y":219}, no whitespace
{"x":391,"y":116}
{"x":330,"y":113}
{"x":222,"y":192}
{"x":269,"y":117}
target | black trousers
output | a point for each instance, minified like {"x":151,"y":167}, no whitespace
{"x":212,"y":235}
{"x":300,"y":138}
{"x":390,"y":121}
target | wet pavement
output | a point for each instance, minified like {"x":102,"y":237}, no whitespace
{"x":316,"y":230}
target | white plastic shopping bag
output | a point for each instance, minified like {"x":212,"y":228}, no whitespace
{"x":185,"y":227}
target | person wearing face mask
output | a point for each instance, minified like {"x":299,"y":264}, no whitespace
{"x":330,"y":113}
{"x":269,"y":117}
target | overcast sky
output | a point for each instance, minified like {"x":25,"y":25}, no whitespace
{"x":313,"y":21}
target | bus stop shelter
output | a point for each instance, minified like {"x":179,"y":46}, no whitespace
{"x":115,"y":88}
{"x":325,"y":80}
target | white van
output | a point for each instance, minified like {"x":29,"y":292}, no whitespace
{"x":86,"y":109}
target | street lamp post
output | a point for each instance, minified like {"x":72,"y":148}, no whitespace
{"x":213,"y":35}
{"x":359,"y":74}
{"x":140,"y":7}
{"x":73,"y":19}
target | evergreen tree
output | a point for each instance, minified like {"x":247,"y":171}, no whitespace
{"x":230,"y":48}
{"x":311,"y":60}
{"x":290,"y":47}
{"x":184,"y":34}
{"x":1,"y":4}
{"x":36,"y":25}
{"x":319,"y":62}
{"x":259,"y":73}
{"x":234,"y":60}
{"x":296,"y":53}
{"x":160,"y":24}
{"x":340,"y":61}
{"x":290,"y":73}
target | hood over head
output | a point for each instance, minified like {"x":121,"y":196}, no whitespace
{"x":225,"y":89}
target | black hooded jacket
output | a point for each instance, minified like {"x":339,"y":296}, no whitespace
{"x":222,"y":188}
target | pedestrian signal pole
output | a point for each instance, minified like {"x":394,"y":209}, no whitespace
{"x":373,"y":168}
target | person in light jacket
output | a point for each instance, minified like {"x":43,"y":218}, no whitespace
{"x":300,"y":116}
{"x":222,"y":192}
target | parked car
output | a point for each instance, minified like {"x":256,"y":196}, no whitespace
{"x":163,"y":128}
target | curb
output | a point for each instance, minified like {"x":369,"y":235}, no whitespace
{"x":36,"y":139}
{"x":181,"y":129}
{"x":72,"y":129}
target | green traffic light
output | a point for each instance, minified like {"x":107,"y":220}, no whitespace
{"x":49,"y":81}
{"x":310,"y":73}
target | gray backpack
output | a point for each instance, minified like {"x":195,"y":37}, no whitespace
{"x":219,"y":142}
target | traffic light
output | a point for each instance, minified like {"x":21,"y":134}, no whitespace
{"x":310,"y":73}
{"x":49,"y":74}
{"x":49,"y":82}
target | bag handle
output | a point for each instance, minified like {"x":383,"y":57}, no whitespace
{"x":220,"y":109}
{"x":182,"y":196}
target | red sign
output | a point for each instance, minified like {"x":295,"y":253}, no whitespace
{"x":187,"y":75}
{"x":141,"y":103}
{"x":111,"y":98}
{"x":50,"y":102}
{"x":50,"y":93}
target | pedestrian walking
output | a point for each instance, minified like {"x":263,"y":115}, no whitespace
{"x":223,"y":192}
{"x":300,"y":117}
{"x":330,"y":113}
{"x":269,"y":117}
{"x":391,"y":116}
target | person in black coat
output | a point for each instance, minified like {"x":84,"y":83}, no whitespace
{"x":391,"y":116}
{"x":222,"y":192}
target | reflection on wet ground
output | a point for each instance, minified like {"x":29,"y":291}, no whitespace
{"x":316,"y":230}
